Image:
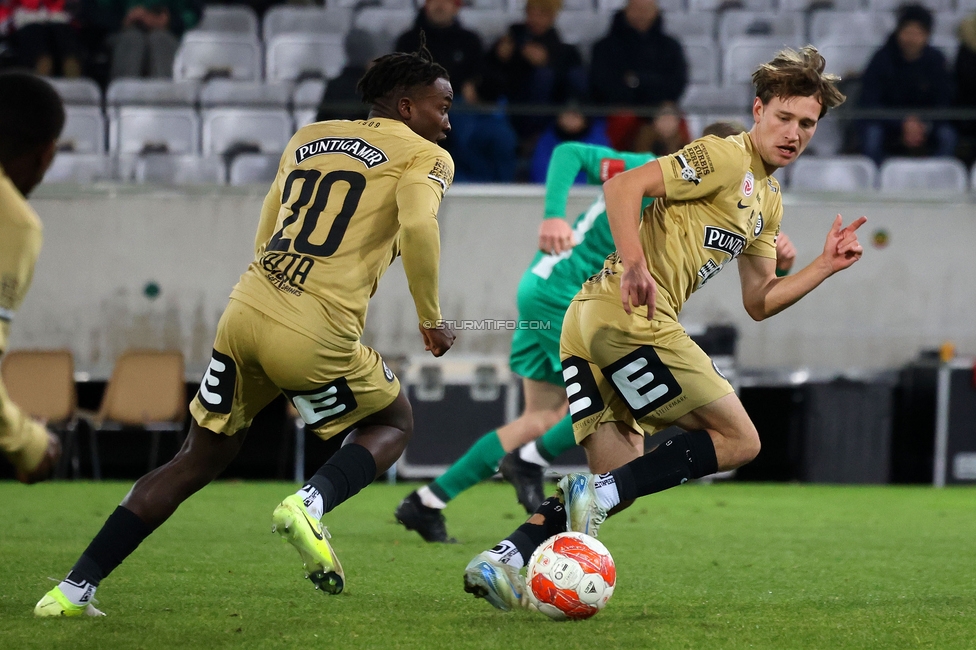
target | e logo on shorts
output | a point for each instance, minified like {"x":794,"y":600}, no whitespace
{"x":584,"y":396}
{"x":324,"y":404}
{"x":643,"y":381}
{"x":218,"y":383}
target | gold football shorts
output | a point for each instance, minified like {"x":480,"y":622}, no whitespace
{"x":255,"y":357}
{"x":624,"y":368}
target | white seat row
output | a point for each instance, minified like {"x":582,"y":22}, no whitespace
{"x":897,"y":175}
{"x":163,"y":169}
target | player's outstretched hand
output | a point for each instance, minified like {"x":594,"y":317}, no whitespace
{"x":785,"y":253}
{"x":842,"y":248}
{"x":48,"y":464}
{"x":437,"y":339}
{"x":555,"y":236}
{"x":637,"y":287}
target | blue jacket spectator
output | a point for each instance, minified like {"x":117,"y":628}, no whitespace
{"x":482,"y":143}
{"x":908,"y":73}
{"x":570,"y":125}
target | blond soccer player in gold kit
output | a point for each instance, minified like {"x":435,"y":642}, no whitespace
{"x":349,"y":197}
{"x":629,"y":367}
{"x":31,"y":119}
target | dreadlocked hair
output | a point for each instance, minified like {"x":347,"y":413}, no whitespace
{"x":400,"y":71}
{"x":798,"y":74}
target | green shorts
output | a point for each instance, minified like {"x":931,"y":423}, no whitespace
{"x":535,"y":344}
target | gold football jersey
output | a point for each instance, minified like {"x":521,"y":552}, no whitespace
{"x":20,"y":244}
{"x":349,"y":197}
{"x":720,"y":203}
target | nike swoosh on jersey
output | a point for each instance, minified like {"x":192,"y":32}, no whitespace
{"x":311,"y":525}
{"x":742,"y":207}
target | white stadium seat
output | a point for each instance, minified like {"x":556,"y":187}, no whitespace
{"x":699,"y":98}
{"x":79,"y":168}
{"x":308,"y":94}
{"x":304,"y":116}
{"x":745,"y":54}
{"x":136,"y":129}
{"x":698,"y":6}
{"x":819,"y":5}
{"x":788,"y":27}
{"x":188,"y":169}
{"x":490,"y":24}
{"x":701,"y":55}
{"x":893,"y":5}
{"x":682,"y":26}
{"x":924,"y":175}
{"x":698,"y":121}
{"x":84,"y":130}
{"x":204,"y":55}
{"x":225,"y":129}
{"x":294,"y":56}
{"x":829,"y":138}
{"x":847,"y":60}
{"x":226,"y":92}
{"x":854,"y":27}
{"x":250,"y":168}
{"x":234,"y":19}
{"x":669,"y":7}
{"x":78,"y":92}
{"x":152,"y":92}
{"x":833,"y":174}
{"x":291,"y":19}
{"x":582,"y":28}
{"x":385,"y":25}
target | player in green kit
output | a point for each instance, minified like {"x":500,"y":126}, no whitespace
{"x":568,"y":255}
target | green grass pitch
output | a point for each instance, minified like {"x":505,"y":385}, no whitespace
{"x":701,"y":566}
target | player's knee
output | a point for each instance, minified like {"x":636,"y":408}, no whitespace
{"x":399,"y":415}
{"x":748,"y":448}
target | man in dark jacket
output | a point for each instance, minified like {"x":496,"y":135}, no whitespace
{"x":636,"y":63}
{"x":908,"y":73}
{"x":454,"y":47}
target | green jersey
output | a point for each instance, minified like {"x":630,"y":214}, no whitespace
{"x":562,"y":275}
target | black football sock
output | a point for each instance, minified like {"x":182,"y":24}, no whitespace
{"x":348,"y":471}
{"x":122,"y":533}
{"x":549,"y":519}
{"x":686,"y":456}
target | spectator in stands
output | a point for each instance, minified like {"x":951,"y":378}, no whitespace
{"x":148,"y":34}
{"x":454,"y":47}
{"x":534,"y":66}
{"x":569,"y":125}
{"x":908,"y":73}
{"x":637,"y":64}
{"x":483,"y":143}
{"x":341,"y":94}
{"x":966,"y":88}
{"x":43,"y":37}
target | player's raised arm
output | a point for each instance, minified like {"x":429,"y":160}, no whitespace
{"x":567,"y":161}
{"x":764,"y":295}
{"x":624,"y":194}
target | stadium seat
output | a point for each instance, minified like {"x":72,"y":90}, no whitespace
{"x":384,"y":24}
{"x":292,"y":57}
{"x":669,"y":7}
{"x":138,"y":129}
{"x":702,"y":57}
{"x":582,"y":29}
{"x":492,"y":5}
{"x":746,"y":53}
{"x":700,"y":98}
{"x":304,"y":116}
{"x":249,"y":168}
{"x":78,"y":92}
{"x":847,"y":60}
{"x":966,"y":6}
{"x":698,"y":6}
{"x":249,"y":94}
{"x":204,"y":55}
{"x":84,"y":130}
{"x":291,"y":19}
{"x":233,"y":19}
{"x":147,"y":391}
{"x":152,"y":92}
{"x":893,"y":5}
{"x":819,"y":5}
{"x":308,"y":94}
{"x":682,"y":26}
{"x":490,"y":24}
{"x":829,"y":138}
{"x":854,"y":27}
{"x":789,"y":27}
{"x":42,"y":384}
{"x":83,"y":168}
{"x":923,"y":175}
{"x":833,"y":174}
{"x":698,"y":121}
{"x":188,"y":169}
{"x":226,"y":130}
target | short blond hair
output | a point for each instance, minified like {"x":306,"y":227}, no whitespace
{"x":798,"y":74}
{"x":551,"y":6}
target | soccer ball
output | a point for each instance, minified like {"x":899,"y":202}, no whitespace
{"x":571,"y":576}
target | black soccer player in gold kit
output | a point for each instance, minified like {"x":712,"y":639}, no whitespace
{"x":349,"y":197}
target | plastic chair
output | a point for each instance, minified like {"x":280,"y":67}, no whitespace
{"x":146,"y":391}
{"x":42,"y":384}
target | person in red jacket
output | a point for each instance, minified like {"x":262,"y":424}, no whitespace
{"x":43,"y":37}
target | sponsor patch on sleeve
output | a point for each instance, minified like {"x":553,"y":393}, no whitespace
{"x":442,"y":174}
{"x":693,"y":162}
{"x":610,"y":167}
